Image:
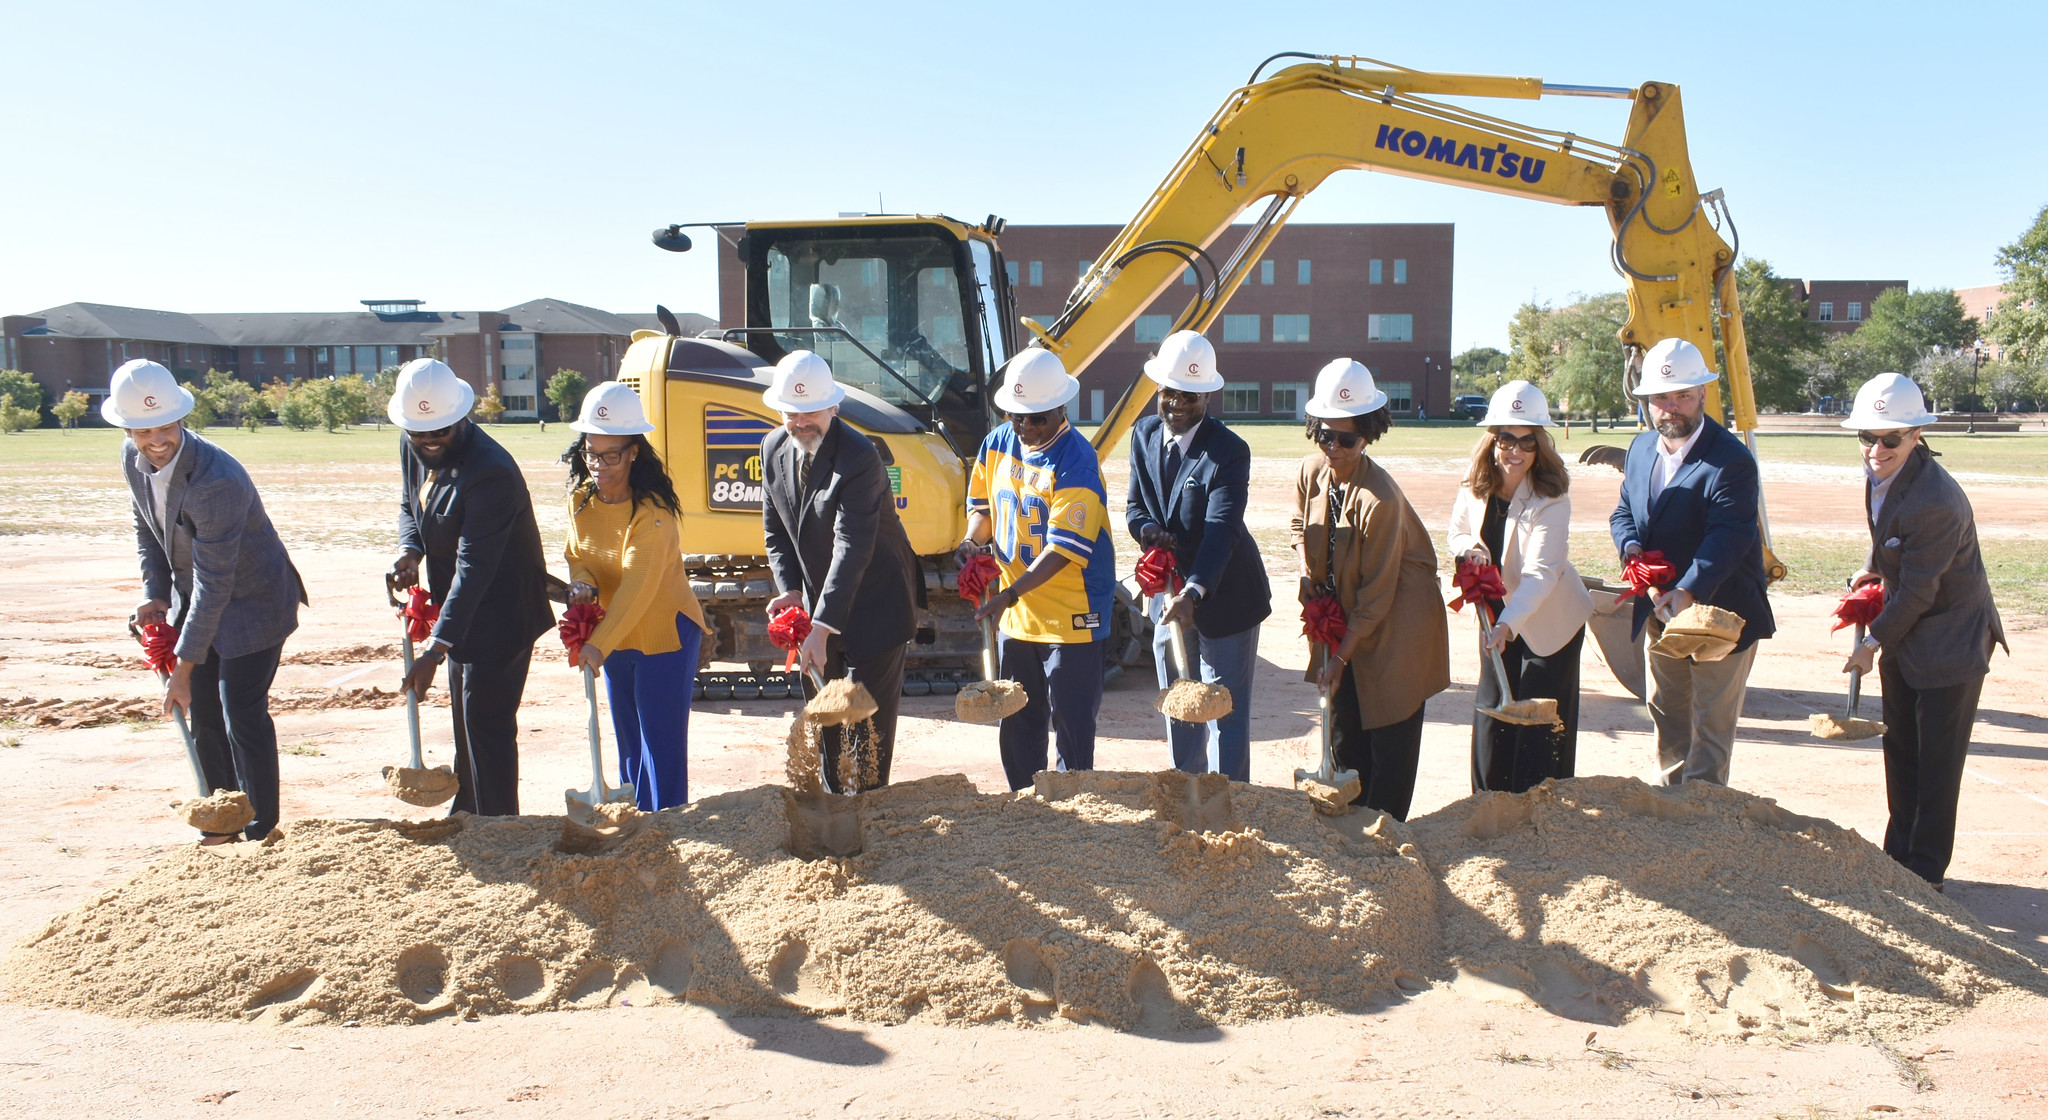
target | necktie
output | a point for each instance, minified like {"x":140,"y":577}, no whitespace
{"x":803,"y":477}
{"x":1172,"y":464}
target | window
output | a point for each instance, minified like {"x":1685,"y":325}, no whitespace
{"x":1288,"y":397}
{"x":1400,"y":394}
{"x":518,"y":344}
{"x":387,"y":356}
{"x":1240,"y":328}
{"x":1290,"y":328}
{"x":1153,"y":328}
{"x":1300,"y":272}
{"x":519,"y":404}
{"x":516,"y":373}
{"x":1187,"y":277}
{"x":255,"y":355}
{"x":1010,"y":267}
{"x":1390,"y":328}
{"x":1827,"y":311}
{"x":341,"y":365}
{"x":1855,"y":313}
{"x":1265,"y":272}
{"x":1400,"y":272}
{"x":1037,"y":273}
{"x":366,"y":360}
{"x":870,"y":272}
{"x":1241,"y":397}
{"x":291,"y":355}
{"x":1373,"y":273}
{"x":320,"y":353}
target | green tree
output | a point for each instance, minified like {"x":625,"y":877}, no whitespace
{"x":202,"y":413}
{"x":1572,"y":353}
{"x":566,"y":389}
{"x":1946,"y":376}
{"x":377,"y":401}
{"x":298,"y":406}
{"x":1779,"y":336}
{"x":1529,"y":345}
{"x":1478,"y":370}
{"x":229,"y":395}
{"x":1903,"y":326}
{"x":2012,"y":385}
{"x":1835,"y":368}
{"x":71,"y":408}
{"x":14,"y":418}
{"x":24,"y":388}
{"x":2020,"y":322}
{"x":490,"y":406}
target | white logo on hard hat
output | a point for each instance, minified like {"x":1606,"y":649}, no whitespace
{"x":1877,"y":405}
{"x":603,"y":412}
{"x":149,"y":402}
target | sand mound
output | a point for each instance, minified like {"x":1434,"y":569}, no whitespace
{"x":1154,"y":901}
{"x":223,"y":811}
{"x":1604,"y":899}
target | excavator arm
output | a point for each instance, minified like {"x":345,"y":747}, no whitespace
{"x":1275,"y":140}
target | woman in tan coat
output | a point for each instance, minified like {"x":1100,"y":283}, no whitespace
{"x":1356,"y":537}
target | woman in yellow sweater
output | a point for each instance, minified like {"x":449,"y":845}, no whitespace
{"x":625,"y":552}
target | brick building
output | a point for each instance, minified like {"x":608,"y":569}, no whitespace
{"x":1981,"y":303}
{"x":1839,"y":306}
{"x":1377,"y":293}
{"x":79,"y":345}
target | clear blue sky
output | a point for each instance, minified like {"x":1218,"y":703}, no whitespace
{"x":273,"y":157}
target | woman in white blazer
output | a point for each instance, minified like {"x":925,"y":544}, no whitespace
{"x":1513,"y":511}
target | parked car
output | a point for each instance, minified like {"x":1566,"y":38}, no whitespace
{"x":1472,"y":405}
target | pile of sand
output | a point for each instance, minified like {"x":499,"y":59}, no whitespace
{"x":1715,"y":911}
{"x":1161,"y":901}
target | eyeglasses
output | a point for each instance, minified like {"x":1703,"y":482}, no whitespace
{"x":430,"y":437}
{"x":1180,"y":396}
{"x":606,"y":458}
{"x":1029,"y":419}
{"x":1891,"y":440}
{"x":1325,"y":437}
{"x":1504,"y":441}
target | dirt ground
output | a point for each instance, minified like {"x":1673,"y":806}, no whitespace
{"x":86,"y":806}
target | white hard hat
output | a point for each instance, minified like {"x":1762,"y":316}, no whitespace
{"x":612,"y":409}
{"x":803,"y":383}
{"x":143,"y":394}
{"x":1889,"y":400}
{"x":1186,"y":362}
{"x":1344,"y":388}
{"x":1671,"y":365}
{"x":1036,"y":381}
{"x":429,"y":396}
{"x":1517,"y":404}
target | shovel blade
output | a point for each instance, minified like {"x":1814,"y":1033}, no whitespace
{"x":581,"y":805}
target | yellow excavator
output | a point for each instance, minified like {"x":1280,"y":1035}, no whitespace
{"x":915,"y":314}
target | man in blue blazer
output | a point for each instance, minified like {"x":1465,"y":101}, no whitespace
{"x":1190,"y":478}
{"x":1690,"y":490}
{"x":212,"y":566}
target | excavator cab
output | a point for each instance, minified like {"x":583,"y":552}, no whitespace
{"x":914,"y":310}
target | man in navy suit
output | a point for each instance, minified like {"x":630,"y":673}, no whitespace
{"x":1690,"y":490}
{"x":1190,"y":477}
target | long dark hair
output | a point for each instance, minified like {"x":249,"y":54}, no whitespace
{"x":648,"y":477}
{"x":1372,"y":425}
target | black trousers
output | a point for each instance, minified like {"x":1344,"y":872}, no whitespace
{"x":485,"y":696}
{"x":232,"y":730}
{"x":882,"y":673}
{"x":1926,"y":739}
{"x":1386,"y":758}
{"x":1514,"y":757}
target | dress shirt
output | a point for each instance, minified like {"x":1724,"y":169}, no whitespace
{"x":1668,"y":462}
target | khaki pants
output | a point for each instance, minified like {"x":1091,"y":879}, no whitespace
{"x":1695,"y":705}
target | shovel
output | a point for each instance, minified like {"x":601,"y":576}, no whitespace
{"x":216,"y":811}
{"x":1528,"y":713}
{"x":990,"y":699}
{"x":1332,"y":790}
{"x":415,"y":784}
{"x":1190,"y":699}
{"x":583,"y":806}
{"x":1826,"y":726}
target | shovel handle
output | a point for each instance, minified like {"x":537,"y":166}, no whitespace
{"x":1500,"y":664}
{"x":412,"y":702}
{"x":596,"y":750}
{"x":1856,"y":678}
{"x":988,"y":649}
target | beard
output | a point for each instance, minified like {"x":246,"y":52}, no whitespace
{"x":809,"y":441}
{"x":1677,"y":425}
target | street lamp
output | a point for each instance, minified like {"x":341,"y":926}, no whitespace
{"x":1428,"y":363}
{"x":1976,"y":363}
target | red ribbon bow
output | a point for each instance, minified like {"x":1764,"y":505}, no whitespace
{"x":1155,"y":571}
{"x":1859,"y":607}
{"x":159,"y":646}
{"x":978,"y":575}
{"x":1477,"y":583}
{"x":578,"y":623}
{"x":787,"y":630}
{"x":1646,"y":572}
{"x":1323,"y":620}
{"x":419,"y":614}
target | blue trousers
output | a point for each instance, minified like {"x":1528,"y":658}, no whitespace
{"x":232,"y":731}
{"x":1063,"y":682}
{"x":650,"y":695}
{"x":1223,"y":745}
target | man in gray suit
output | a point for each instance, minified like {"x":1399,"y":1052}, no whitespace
{"x":1937,"y":627}
{"x":213,"y":567}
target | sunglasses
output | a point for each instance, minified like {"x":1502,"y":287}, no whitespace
{"x":606,"y":458}
{"x":1030,"y":419}
{"x":1504,"y":441}
{"x":428,"y":437}
{"x":1325,"y":437}
{"x":1891,"y":440}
